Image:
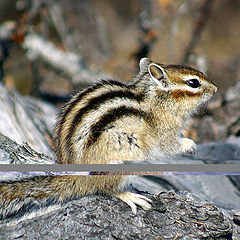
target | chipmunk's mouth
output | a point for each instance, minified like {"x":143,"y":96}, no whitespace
{"x":206,"y":96}
{"x":204,"y":101}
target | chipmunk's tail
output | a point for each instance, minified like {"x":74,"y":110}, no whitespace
{"x":20,"y":197}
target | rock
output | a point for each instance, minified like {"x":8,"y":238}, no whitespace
{"x":217,"y":152}
{"x":174,"y":215}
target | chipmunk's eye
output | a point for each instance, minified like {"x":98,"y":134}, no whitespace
{"x":194,"y":83}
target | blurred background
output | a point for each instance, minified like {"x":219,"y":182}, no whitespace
{"x":51,"y":48}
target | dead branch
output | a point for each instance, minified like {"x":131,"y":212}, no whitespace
{"x":199,"y":25}
{"x":56,"y":13}
{"x":174,"y":27}
{"x":39,"y":48}
{"x":68,"y":62}
{"x":147,"y":36}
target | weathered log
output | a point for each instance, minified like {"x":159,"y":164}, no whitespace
{"x":26,"y":119}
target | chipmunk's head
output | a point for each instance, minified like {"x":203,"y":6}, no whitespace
{"x":181,"y":86}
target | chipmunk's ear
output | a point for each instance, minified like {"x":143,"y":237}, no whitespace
{"x":158,"y":75}
{"x":144,"y":63}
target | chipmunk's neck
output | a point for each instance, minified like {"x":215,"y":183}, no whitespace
{"x":167,"y":116}
{"x":167,"y":121}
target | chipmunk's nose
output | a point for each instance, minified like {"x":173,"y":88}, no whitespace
{"x":214,"y":88}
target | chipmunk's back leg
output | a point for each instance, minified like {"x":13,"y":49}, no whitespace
{"x":114,"y":184}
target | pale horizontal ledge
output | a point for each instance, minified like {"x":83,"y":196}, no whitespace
{"x":221,"y":168}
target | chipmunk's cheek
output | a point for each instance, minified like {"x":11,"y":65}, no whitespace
{"x":179,"y":95}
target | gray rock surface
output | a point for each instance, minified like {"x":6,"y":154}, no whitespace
{"x":174,"y":216}
{"x":217,"y":189}
{"x":217,"y":152}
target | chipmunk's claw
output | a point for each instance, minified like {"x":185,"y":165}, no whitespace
{"x":133,"y":199}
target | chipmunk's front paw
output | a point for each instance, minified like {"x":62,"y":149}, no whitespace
{"x":132,"y":199}
{"x":188,"y":146}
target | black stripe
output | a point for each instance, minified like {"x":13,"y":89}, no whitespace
{"x":62,"y":117}
{"x":93,"y":104}
{"x":110,"y":117}
{"x":70,"y":105}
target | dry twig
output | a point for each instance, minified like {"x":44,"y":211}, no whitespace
{"x":199,"y":25}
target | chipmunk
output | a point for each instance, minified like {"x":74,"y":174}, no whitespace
{"x":112,"y":122}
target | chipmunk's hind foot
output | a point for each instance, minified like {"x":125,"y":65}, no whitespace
{"x":133,"y":199}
